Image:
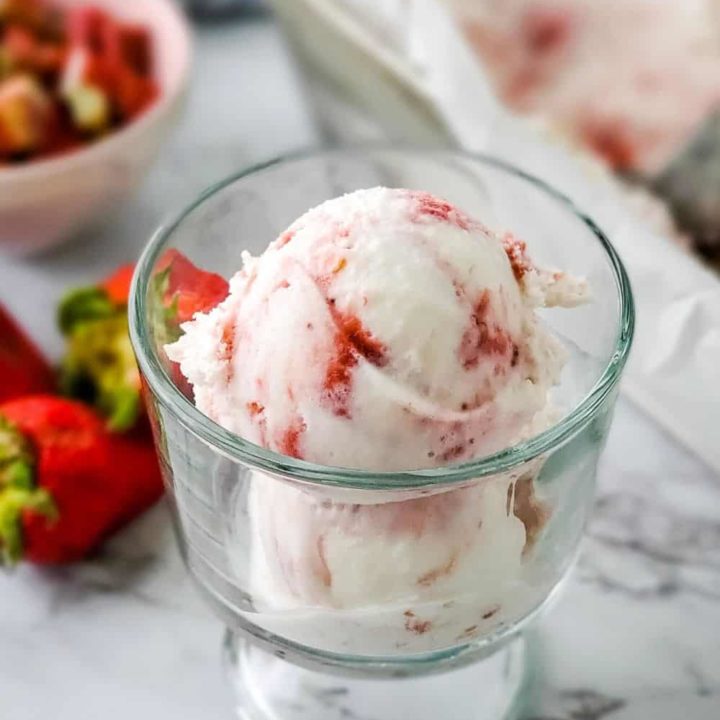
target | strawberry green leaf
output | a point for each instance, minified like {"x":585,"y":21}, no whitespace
{"x":16,"y":458}
{"x":163,"y":310}
{"x":13,"y":503}
{"x":99,"y":367}
{"x":123,"y":406}
{"x":84,"y":305}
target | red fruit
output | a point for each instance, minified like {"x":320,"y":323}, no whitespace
{"x":180,"y":289}
{"x":137,"y":476}
{"x":90,"y":71}
{"x":43,"y":19}
{"x":23,"y":369}
{"x":86,"y":27}
{"x":117,"y":285}
{"x":136,"y":48}
{"x":118,"y":59}
{"x":132,"y":93}
{"x":26,"y":52}
{"x":189,"y":288}
{"x":125,"y":55}
{"x":71,"y":482}
{"x":99,"y":366}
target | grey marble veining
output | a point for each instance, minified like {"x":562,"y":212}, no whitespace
{"x":636,"y":633}
{"x":634,"y":636}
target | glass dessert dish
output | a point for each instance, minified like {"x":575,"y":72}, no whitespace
{"x":371,"y":594}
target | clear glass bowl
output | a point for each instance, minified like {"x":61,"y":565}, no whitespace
{"x":458,"y":558}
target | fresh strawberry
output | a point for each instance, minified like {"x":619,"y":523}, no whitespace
{"x":23,"y":369}
{"x":178,"y":291}
{"x":186,"y":290}
{"x":65,"y":483}
{"x":142,"y":486}
{"x":117,"y":285}
{"x":99,"y":366}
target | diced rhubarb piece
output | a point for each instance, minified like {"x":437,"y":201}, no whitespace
{"x":126,"y":46}
{"x":44,"y":20}
{"x":86,"y":28}
{"x":126,"y":61}
{"x":89,"y":108}
{"x":137,"y":49}
{"x":84,"y":94}
{"x":109,"y":46}
{"x":6,"y":66}
{"x":133,"y":93}
{"x":24,"y":52}
{"x":19,"y":44}
{"x":25,"y":115}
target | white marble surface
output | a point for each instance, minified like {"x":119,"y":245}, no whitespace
{"x":635,"y":636}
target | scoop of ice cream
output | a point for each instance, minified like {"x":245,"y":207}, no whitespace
{"x":384,"y":329}
{"x":353,"y":555}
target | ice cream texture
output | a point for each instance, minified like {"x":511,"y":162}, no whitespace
{"x":385,"y":330}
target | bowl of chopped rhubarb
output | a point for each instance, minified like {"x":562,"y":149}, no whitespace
{"x":87,"y":94}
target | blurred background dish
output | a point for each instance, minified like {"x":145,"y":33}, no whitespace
{"x":50,"y":188}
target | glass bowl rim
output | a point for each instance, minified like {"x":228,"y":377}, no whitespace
{"x":240,"y":450}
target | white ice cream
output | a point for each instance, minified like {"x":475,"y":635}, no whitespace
{"x":384,"y":330}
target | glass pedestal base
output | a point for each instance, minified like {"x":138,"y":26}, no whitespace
{"x":270,"y":688}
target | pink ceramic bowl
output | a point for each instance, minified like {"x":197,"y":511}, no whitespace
{"x":45,"y":202}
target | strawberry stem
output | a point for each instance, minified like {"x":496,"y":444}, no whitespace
{"x":99,"y":366}
{"x":18,"y":493}
{"x":16,"y":458}
{"x":123,"y":407}
{"x":163,"y":309}
{"x":84,"y":304}
{"x":13,"y":503}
